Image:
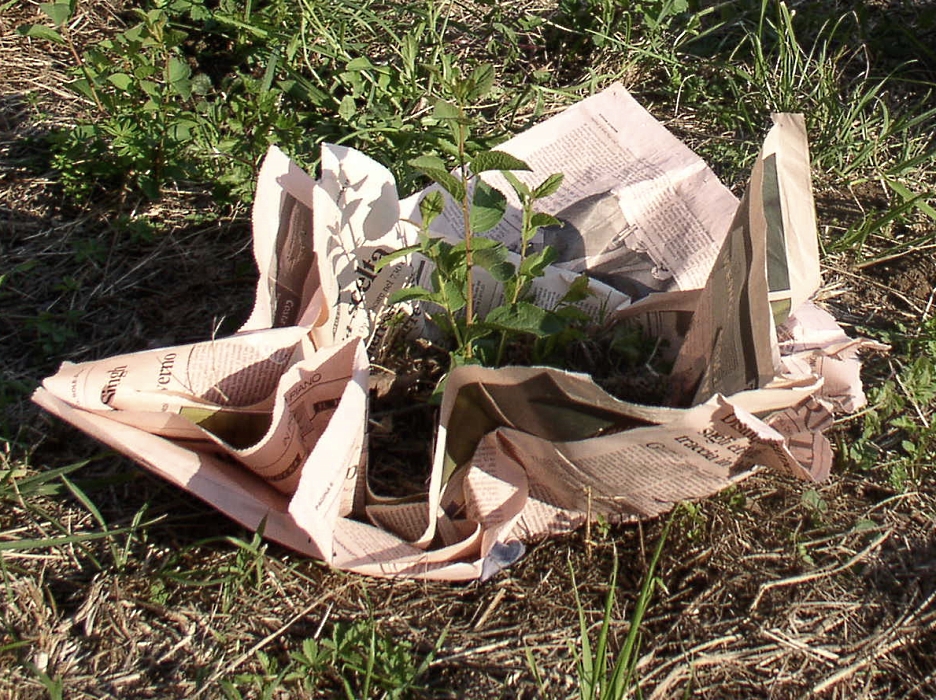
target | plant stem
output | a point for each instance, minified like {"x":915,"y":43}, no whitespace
{"x":466,"y":218}
{"x":524,"y":240}
{"x":66,"y":32}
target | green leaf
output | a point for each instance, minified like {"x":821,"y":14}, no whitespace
{"x":395,"y":255}
{"x":453,"y":295}
{"x":524,"y":317}
{"x":483,"y":243}
{"x":502,"y":271}
{"x":181,"y":131}
{"x":446,"y":111}
{"x":178,"y":70}
{"x":434,"y":167}
{"x":487,"y":208}
{"x":121,"y":81}
{"x":425,"y":163}
{"x":358,"y":64}
{"x":480,"y":82}
{"x":540,"y":219}
{"x":431,"y":206}
{"x":58,"y":12}
{"x":150,"y":88}
{"x":82,"y":87}
{"x":449,"y":260}
{"x":496,"y":160}
{"x":410,"y":294}
{"x":548,"y":186}
{"x":494,"y":260}
{"x":179,"y":77}
{"x":908,"y":196}
{"x":40,"y":31}
{"x":523,"y":192}
{"x":446,"y":146}
{"x":578,"y":290}
{"x":347,"y":109}
{"x":534,"y":265}
{"x":448,"y":182}
{"x":201,"y":84}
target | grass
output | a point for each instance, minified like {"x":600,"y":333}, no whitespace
{"x":125,"y":224}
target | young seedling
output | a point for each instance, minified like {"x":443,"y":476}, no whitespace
{"x":482,"y":207}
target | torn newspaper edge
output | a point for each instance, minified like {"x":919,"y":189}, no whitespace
{"x":269,"y":425}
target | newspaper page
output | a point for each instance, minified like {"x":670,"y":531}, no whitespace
{"x":520,"y":452}
{"x":289,"y":289}
{"x":641,"y":211}
{"x":263,"y":398}
{"x":768,"y":263}
{"x":811,"y":342}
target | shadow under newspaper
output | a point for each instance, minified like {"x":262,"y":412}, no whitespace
{"x":270,"y":425}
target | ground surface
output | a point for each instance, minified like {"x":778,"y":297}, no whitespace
{"x":773,"y":589}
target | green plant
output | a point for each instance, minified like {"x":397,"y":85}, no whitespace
{"x":140,"y":72}
{"x":354,"y":660}
{"x":156,"y":117}
{"x":898,"y":435}
{"x":601,"y":674}
{"x":815,"y":505}
{"x":269,"y":679}
{"x":481,"y":207}
{"x":853,"y":131}
{"x":22,"y":487}
{"x":243,"y":568}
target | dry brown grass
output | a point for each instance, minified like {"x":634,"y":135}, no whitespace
{"x":763,"y":595}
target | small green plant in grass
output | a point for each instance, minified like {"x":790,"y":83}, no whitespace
{"x":354,"y":661}
{"x":898,"y":433}
{"x":815,"y":505}
{"x":26,"y":489}
{"x":242,"y":570}
{"x":602,"y":675}
{"x":482,"y":206}
{"x":156,"y":116}
{"x":141,"y":87}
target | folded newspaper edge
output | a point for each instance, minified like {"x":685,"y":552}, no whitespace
{"x":269,"y":425}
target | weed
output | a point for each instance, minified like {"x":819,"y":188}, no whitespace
{"x":897,"y":435}
{"x":815,"y":505}
{"x":156,"y":120}
{"x":354,"y":660}
{"x":600,"y":677}
{"x":243,"y":569}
